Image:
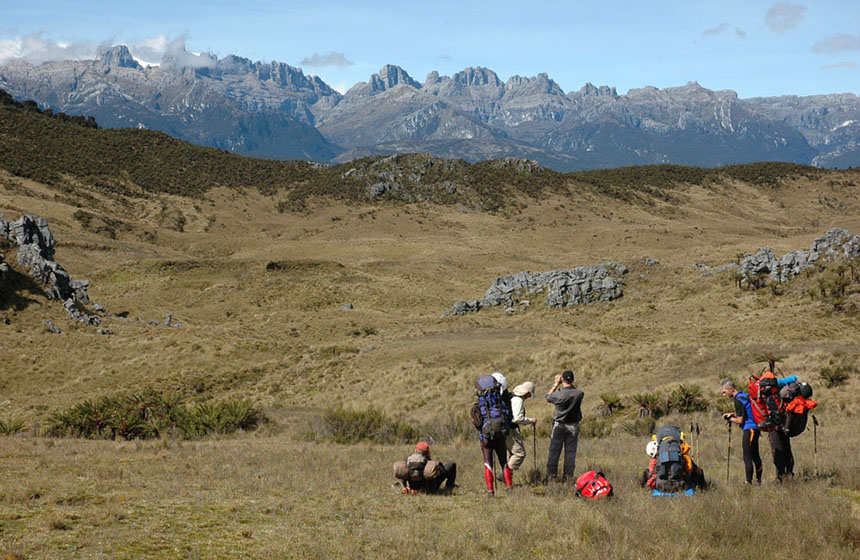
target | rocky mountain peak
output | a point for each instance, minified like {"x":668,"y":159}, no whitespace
{"x":479,"y":76}
{"x":590,"y":90}
{"x":118,"y":57}
{"x":390,"y":76}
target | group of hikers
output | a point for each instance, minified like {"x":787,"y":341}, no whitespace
{"x":777,"y":406}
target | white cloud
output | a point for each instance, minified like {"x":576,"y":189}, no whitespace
{"x":716,"y":30}
{"x":783,"y":16}
{"x":331,"y":59}
{"x":837,"y":43}
{"x":847,"y":65}
{"x":723,"y":28}
{"x":36,"y":49}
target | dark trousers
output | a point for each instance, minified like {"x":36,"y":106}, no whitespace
{"x":783,"y":459}
{"x":563,"y":436}
{"x":499,"y":447}
{"x":448,"y":475}
{"x":752,"y":459}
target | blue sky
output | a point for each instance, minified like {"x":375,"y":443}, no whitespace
{"x":755,"y":47}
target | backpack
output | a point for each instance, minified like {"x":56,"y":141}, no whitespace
{"x":490,"y":414}
{"x":593,"y":485}
{"x":768,"y":408}
{"x":415,"y":465}
{"x":796,"y":397}
{"x":670,"y":463}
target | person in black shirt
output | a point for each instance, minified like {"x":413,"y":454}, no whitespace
{"x":565,"y":425}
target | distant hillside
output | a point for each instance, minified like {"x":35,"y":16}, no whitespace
{"x":274,"y":110}
{"x":57,"y":150}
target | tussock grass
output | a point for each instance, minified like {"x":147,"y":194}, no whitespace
{"x":277,"y":336}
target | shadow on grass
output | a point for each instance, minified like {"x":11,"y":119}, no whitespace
{"x":15,"y":291}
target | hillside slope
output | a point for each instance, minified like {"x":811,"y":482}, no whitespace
{"x":259,"y":288}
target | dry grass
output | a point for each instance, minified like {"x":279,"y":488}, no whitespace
{"x":279,"y":338}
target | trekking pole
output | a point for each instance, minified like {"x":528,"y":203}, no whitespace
{"x":729,"y":454}
{"x":534,"y":445}
{"x":698,"y":462}
{"x":815,"y":443}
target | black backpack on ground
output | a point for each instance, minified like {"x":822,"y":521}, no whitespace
{"x":670,"y":462}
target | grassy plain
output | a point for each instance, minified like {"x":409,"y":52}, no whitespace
{"x":278,"y":336}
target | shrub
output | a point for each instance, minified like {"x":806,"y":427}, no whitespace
{"x":612,"y":403}
{"x":836,"y":375}
{"x":591,"y":427}
{"x":639,"y":426}
{"x":349,"y":426}
{"x":686,"y":399}
{"x":11,"y":427}
{"x":149,"y":414}
{"x":650,"y":405}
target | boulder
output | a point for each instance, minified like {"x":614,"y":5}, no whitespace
{"x":574,"y":286}
{"x":35,"y":254}
{"x":835,"y":244}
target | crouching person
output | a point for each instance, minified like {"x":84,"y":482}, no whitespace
{"x":671,"y":469}
{"x":420,"y":474}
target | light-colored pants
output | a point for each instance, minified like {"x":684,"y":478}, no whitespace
{"x":516,"y":449}
{"x":567,"y":436}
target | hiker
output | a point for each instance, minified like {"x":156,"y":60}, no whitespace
{"x":515,"y":444}
{"x":420,"y":474}
{"x":565,"y":425}
{"x":491,"y":416}
{"x":743,"y":417}
{"x":783,"y":458}
{"x":772,"y":414}
{"x":671,"y":469}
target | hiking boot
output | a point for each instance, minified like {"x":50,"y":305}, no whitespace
{"x":500,"y":477}
{"x":491,"y":494}
{"x":509,"y":490}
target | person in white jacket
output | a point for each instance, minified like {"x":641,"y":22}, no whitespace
{"x":516,"y":445}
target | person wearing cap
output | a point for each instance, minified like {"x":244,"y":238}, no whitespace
{"x":447,"y":473}
{"x":515,"y":444}
{"x":565,"y":425}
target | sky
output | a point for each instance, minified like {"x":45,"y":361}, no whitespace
{"x":754,"y":47}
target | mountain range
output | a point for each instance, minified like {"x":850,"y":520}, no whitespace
{"x":274,"y":110}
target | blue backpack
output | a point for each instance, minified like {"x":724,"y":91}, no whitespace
{"x":490,"y":415}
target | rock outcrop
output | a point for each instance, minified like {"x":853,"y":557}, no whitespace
{"x":35,"y":245}
{"x":834,"y":245}
{"x":575,"y":286}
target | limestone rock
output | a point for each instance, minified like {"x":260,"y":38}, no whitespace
{"x":35,"y":244}
{"x":575,"y":286}
{"x":835,"y":244}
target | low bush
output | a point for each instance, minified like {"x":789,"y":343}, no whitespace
{"x":11,"y":427}
{"x":686,"y":399}
{"x":650,"y":405}
{"x":352,"y":426}
{"x":836,"y":375}
{"x":640,"y":426}
{"x":591,"y":427}
{"x":149,"y":414}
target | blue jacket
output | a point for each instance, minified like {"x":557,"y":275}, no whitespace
{"x":749,"y":421}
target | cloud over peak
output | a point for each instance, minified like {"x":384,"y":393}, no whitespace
{"x":330,"y":59}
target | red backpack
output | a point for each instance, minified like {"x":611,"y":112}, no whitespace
{"x":593,"y":485}
{"x":768,"y":409}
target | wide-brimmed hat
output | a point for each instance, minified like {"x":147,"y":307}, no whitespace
{"x":523,"y":388}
